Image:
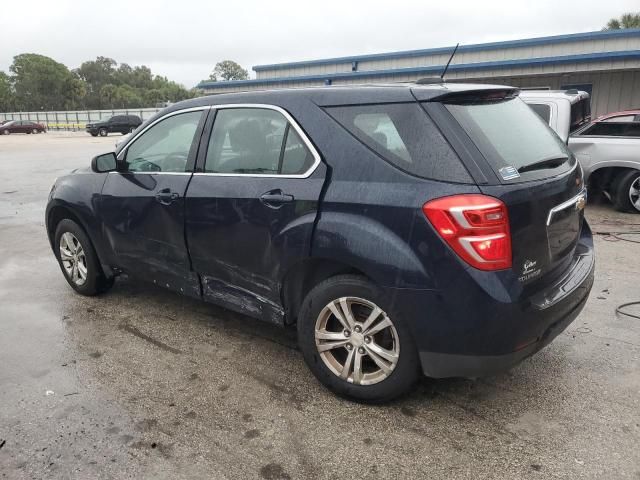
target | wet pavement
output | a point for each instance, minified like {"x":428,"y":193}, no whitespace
{"x":142,"y":383}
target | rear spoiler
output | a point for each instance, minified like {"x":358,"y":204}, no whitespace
{"x":466,"y":95}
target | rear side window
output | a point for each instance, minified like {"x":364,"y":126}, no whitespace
{"x":403,"y":135}
{"x":543,"y":110}
{"x":513,"y":138}
{"x":613,"y":129}
{"x":256,"y":141}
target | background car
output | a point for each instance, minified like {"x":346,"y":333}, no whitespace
{"x":21,"y":126}
{"x":117,"y":124}
{"x":609,"y":151}
{"x":608,"y":148}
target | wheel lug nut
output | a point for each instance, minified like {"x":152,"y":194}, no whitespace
{"x":358,"y":329}
{"x":361,"y":350}
{"x":347,"y":333}
{"x":367,"y":339}
{"x":349,"y":346}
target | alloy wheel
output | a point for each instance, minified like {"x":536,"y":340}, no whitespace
{"x":634,"y":193}
{"x":73,"y":258}
{"x":357,"y":340}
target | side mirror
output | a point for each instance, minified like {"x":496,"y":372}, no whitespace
{"x":107,"y":162}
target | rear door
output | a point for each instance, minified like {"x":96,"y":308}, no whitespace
{"x":142,"y":207}
{"x":251,"y":206}
{"x":530,"y":169}
{"x":118,"y":124}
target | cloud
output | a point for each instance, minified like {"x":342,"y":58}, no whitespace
{"x":183,"y":40}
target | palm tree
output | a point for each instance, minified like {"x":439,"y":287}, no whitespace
{"x":628,"y":20}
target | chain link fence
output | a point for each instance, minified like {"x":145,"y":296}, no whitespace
{"x":75,"y":120}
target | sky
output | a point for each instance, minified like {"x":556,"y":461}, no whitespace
{"x":183,"y":40}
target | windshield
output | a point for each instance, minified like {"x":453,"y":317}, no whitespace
{"x":10,"y":122}
{"x":514,"y":139}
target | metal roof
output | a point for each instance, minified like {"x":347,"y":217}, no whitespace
{"x":435,"y":69}
{"x":527,"y":42}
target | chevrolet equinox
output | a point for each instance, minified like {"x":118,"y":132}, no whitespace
{"x":405,"y":229}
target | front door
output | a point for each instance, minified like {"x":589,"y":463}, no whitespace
{"x":142,"y":206}
{"x":251,"y":207}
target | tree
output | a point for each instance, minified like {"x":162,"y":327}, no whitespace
{"x":228,"y":70}
{"x":41,"y":83}
{"x":6,"y":93}
{"x":96,"y":74}
{"x":628,"y":20}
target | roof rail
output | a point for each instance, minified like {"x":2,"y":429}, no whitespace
{"x":429,"y":80}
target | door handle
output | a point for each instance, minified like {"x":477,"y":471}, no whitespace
{"x":166,"y":196}
{"x":275,"y":198}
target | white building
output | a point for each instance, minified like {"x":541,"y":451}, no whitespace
{"x":605,"y":63}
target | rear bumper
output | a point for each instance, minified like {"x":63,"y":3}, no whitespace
{"x":443,"y":365}
{"x":464,"y":331}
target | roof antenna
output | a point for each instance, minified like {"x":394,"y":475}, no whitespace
{"x":450,"y":58}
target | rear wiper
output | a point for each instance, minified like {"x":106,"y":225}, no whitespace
{"x":551,"y":162}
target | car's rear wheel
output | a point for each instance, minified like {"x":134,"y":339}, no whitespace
{"x":353,"y":344}
{"x":103,"y":132}
{"x":35,"y":130}
{"x":131,"y":130}
{"x":626,"y":191}
{"x":78,"y":260}
{"x":6,"y":132}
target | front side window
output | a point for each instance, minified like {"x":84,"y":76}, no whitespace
{"x":255,"y":141}
{"x":165,"y":146}
{"x":613,"y":129}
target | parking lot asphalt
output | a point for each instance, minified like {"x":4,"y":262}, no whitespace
{"x":142,"y":383}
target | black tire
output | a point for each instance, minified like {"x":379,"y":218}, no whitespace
{"x":94,"y":134}
{"x":29,"y":132}
{"x":6,"y":132}
{"x":35,"y":130}
{"x":103,"y":132}
{"x":96,"y":282}
{"x":131,"y":130}
{"x":407,"y":369}
{"x":621,"y":194}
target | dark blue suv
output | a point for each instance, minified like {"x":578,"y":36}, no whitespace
{"x":406,"y":229}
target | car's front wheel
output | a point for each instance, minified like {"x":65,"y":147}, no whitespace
{"x":78,"y":260}
{"x":626,"y":191}
{"x":6,"y":132}
{"x":35,"y":130}
{"x":353,"y":344}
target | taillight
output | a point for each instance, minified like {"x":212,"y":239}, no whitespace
{"x":475,"y":226}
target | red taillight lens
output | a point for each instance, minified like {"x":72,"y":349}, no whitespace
{"x":476,"y":227}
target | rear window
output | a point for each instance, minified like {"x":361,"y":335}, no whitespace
{"x":403,"y":135}
{"x":543,"y":110}
{"x":580,"y":114}
{"x":512,"y":137}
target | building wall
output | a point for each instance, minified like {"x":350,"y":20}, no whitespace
{"x":441,"y":56}
{"x":611,"y":90}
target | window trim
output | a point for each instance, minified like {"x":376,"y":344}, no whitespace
{"x":292,"y":122}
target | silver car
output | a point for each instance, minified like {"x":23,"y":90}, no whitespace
{"x":608,"y":148}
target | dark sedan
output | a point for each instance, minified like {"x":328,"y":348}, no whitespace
{"x":21,"y":126}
